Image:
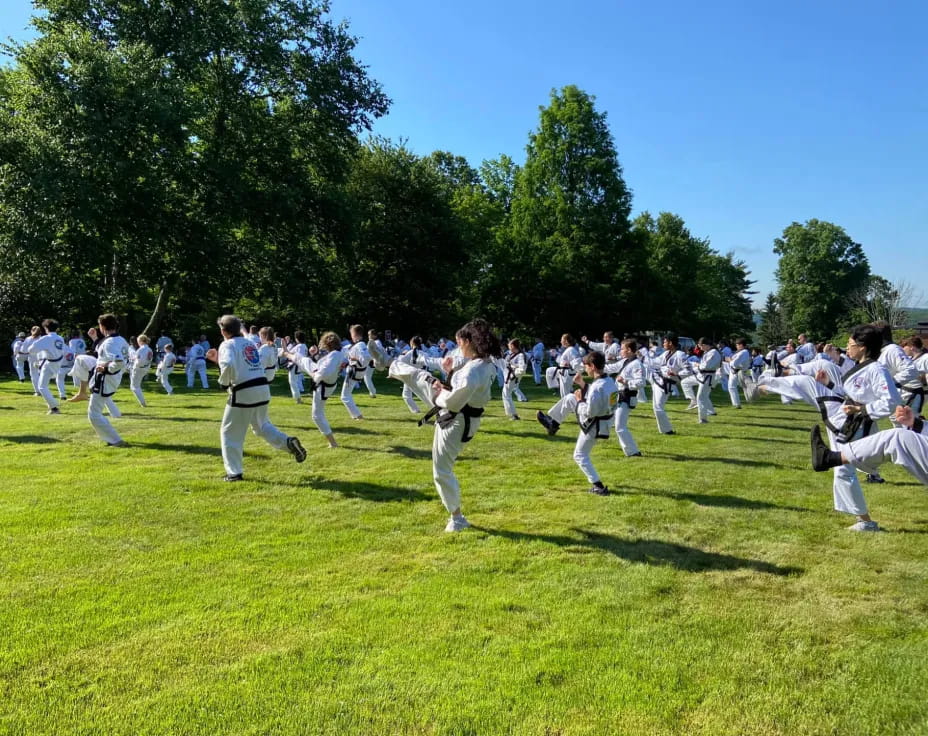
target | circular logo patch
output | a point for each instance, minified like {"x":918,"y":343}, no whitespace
{"x":251,"y":355}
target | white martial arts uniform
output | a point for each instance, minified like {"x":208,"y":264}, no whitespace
{"x":196,"y":363}
{"x":64,"y":370}
{"x":629,"y":377}
{"x":668,"y":368}
{"x":241,"y":372}
{"x":46,"y":353}
{"x":457,"y":422}
{"x":324,"y":375}
{"x":538,"y":359}
{"x":904,"y":373}
{"x":19,"y":359}
{"x":870,"y":386}
{"x":31,"y":364}
{"x":905,"y":447}
{"x":413,"y":357}
{"x":561,"y":375}
{"x":112,"y":353}
{"x":164,"y":370}
{"x":295,"y":374}
{"x":702,"y":379}
{"x":140,"y":367}
{"x":514,"y":369}
{"x":359,"y":363}
{"x":740,"y":374}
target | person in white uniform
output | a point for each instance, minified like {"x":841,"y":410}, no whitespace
{"x":740,"y":373}
{"x":359,"y":363}
{"x":295,"y":375}
{"x":196,"y":364}
{"x":561,"y":375}
{"x":34,"y":334}
{"x":46,"y":353}
{"x":166,"y":367}
{"x":243,"y":376}
{"x":594,"y":405}
{"x":112,"y":354}
{"x":669,"y":366}
{"x":19,"y":357}
{"x":140,"y":367}
{"x":628,"y":374}
{"x":914,"y":395}
{"x":515,"y":366}
{"x":322,"y":367}
{"x":702,"y":379}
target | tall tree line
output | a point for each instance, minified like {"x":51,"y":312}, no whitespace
{"x":172,"y":160}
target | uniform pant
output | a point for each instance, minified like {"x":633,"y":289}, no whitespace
{"x":848,"y":495}
{"x":446,"y":446}
{"x":47,"y":373}
{"x":62,"y":380}
{"x":418,"y":381}
{"x":900,"y":446}
{"x":689,"y":386}
{"x":658,"y":402}
{"x":410,"y":400}
{"x":622,"y":432}
{"x":536,"y":371}
{"x":136,"y":375}
{"x":733,"y":385}
{"x":235,"y":421}
{"x":704,"y":399}
{"x":369,"y":382}
{"x":509,"y":387}
{"x":294,"y":379}
{"x":319,"y":418}
{"x":348,"y":386}
{"x":585,"y":443}
{"x":166,"y":381}
{"x":34,"y":376}
{"x":20,"y":366}
{"x":105,"y":431}
{"x":197,"y":366}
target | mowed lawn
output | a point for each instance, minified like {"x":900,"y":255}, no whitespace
{"x":715,"y":592}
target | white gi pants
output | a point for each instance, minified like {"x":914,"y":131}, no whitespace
{"x":235,"y":420}
{"x":136,"y":375}
{"x":369,"y":382}
{"x":704,"y":399}
{"x":34,"y":375}
{"x":509,"y":387}
{"x":446,"y":446}
{"x":319,"y":418}
{"x":624,"y":435}
{"x":20,"y":366}
{"x":734,"y":383}
{"x":166,"y":381}
{"x":566,"y":406}
{"x":418,"y":381}
{"x":197,"y":366}
{"x":410,"y":400}
{"x":689,"y":386}
{"x":47,"y":373}
{"x":62,"y":380}
{"x":658,"y":402}
{"x":560,"y":379}
{"x":348,"y":385}
{"x":900,"y":446}
{"x":536,"y":370}
{"x":105,"y":431}
{"x":295,"y":381}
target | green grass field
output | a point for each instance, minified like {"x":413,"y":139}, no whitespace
{"x":715,"y":592}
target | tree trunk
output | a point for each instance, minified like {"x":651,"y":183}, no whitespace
{"x":154,"y":323}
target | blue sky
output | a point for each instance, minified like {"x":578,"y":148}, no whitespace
{"x":741,"y":117}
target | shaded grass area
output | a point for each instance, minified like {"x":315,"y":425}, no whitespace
{"x":715,"y":592}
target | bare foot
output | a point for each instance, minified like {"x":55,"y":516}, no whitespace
{"x":79,"y":397}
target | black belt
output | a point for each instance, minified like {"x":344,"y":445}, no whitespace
{"x":626,"y":395}
{"x":445,"y":418}
{"x":323,"y":385}
{"x":852,"y":424}
{"x":596,"y":422}
{"x":251,"y":383}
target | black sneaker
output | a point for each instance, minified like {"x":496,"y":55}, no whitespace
{"x":636,"y":454}
{"x":296,"y":449}
{"x":232,"y":478}
{"x":875,"y":478}
{"x":670,"y":432}
{"x":548,"y":423}
{"x":54,"y":410}
{"x":597,"y":491}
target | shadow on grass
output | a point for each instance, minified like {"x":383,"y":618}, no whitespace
{"x":28,"y":439}
{"x":352,"y":429}
{"x":190,"y":449}
{"x":722,"y":460}
{"x":410,"y":452}
{"x":172,"y":419}
{"x":722,"y":501}
{"x":766,"y":441}
{"x":566,"y":434}
{"x":798,"y":426}
{"x":650,"y":552}
{"x":367,"y":491}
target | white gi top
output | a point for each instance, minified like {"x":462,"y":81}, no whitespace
{"x":241,"y":372}
{"x":741,"y":361}
{"x":470,"y":385}
{"x":78,"y":345}
{"x":359,"y":357}
{"x":167,"y":363}
{"x":570,"y":359}
{"x":708,"y":364}
{"x":324,"y":371}
{"x":602,"y":395}
{"x":672,"y":365}
{"x":611,"y":351}
{"x":900,"y":366}
{"x":143,"y":356}
{"x":195,"y":353}
{"x":112,"y":353}
{"x":873,"y":387}
{"x":48,"y":348}
{"x":268,"y":356}
{"x":515,"y":366}
{"x":631,"y":372}
{"x":17,"y":348}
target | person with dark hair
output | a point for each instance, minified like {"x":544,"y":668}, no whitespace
{"x":243,"y":376}
{"x":913,"y":394}
{"x":195,"y":364}
{"x":869,"y":395}
{"x":359,"y":363}
{"x":628,"y":374}
{"x":900,"y":366}
{"x":19,"y":357}
{"x":295,"y":375}
{"x":47,"y":352}
{"x":561,"y":375}
{"x":515,"y":366}
{"x":415,"y":356}
{"x":112,"y":355}
{"x":594,"y":405}
{"x":165,"y":368}
{"x":669,"y":366}
{"x":702,"y":378}
{"x":740,"y":367}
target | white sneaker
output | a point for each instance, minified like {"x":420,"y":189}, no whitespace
{"x":692,"y":405}
{"x":457,"y":524}
{"x":864,"y":526}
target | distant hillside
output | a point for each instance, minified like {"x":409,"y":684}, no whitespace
{"x":916,"y":315}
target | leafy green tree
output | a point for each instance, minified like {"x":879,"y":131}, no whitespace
{"x":820,"y":266}
{"x":200,"y":152}
{"x":772,"y":330}
{"x":572,"y":263}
